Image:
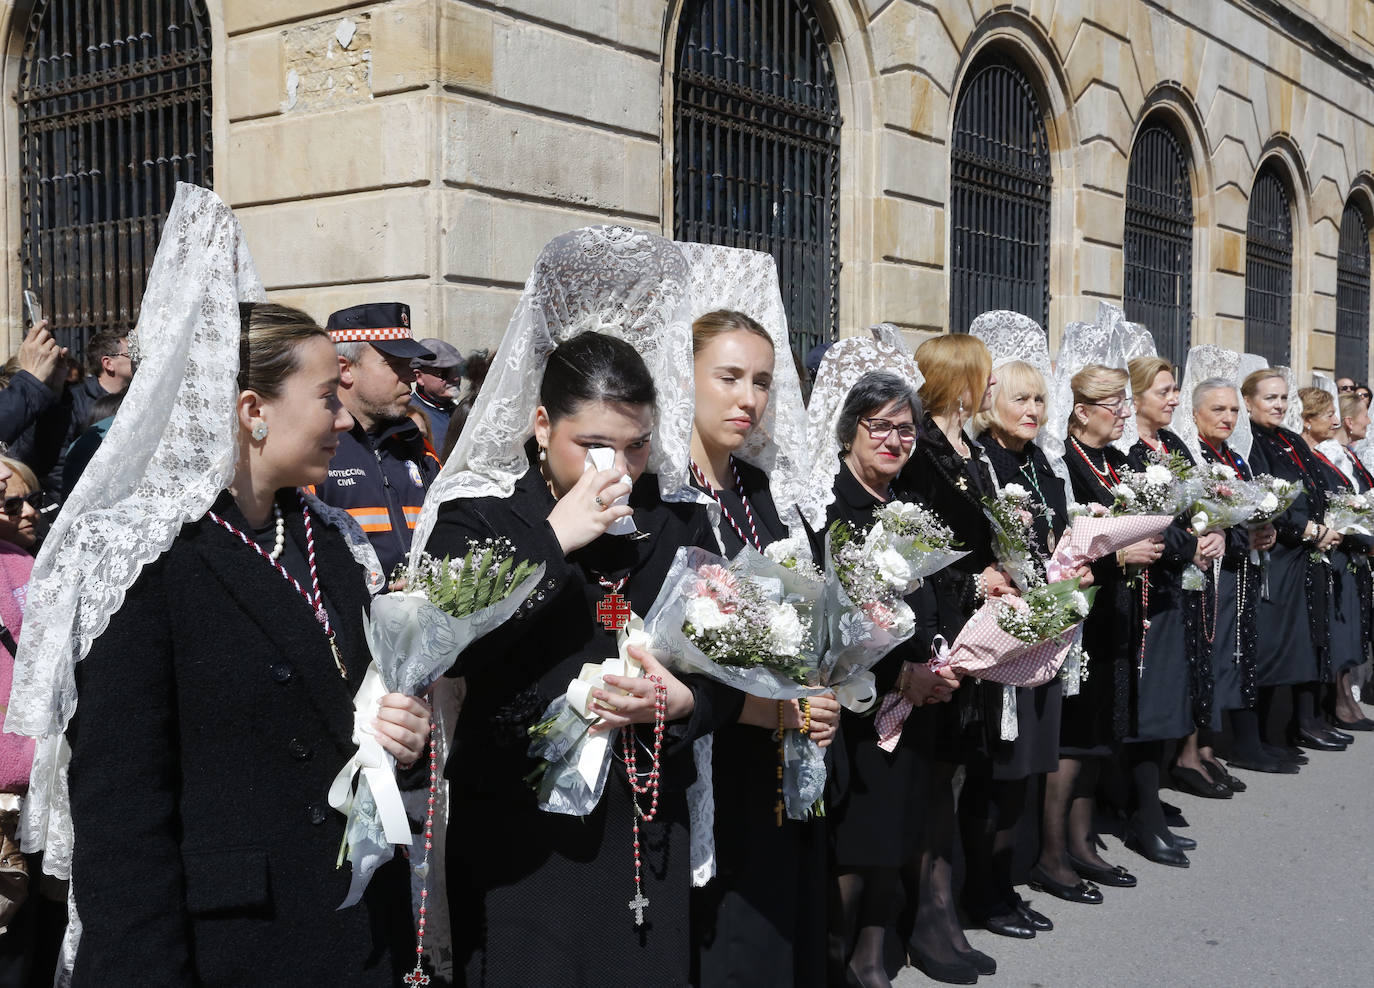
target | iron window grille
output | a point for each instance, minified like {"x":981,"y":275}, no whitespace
{"x":1269,"y":269}
{"x":999,"y":199}
{"x":1159,"y":241}
{"x":114,"y":110}
{"x":1352,"y":296}
{"x":756,"y":148}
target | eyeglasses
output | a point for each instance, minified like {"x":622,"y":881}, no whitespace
{"x":1345,"y":388}
{"x":880,"y":429}
{"x":13,"y":506}
{"x":1119,"y":407}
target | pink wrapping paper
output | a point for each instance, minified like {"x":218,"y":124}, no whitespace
{"x":1091,"y":537}
{"x":984,"y":650}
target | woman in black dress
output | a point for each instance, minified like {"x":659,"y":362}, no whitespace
{"x":1216,"y":409}
{"x":1094,"y":721}
{"x":948,"y":472}
{"x":538,"y":897}
{"x":205,"y":849}
{"x":762,"y":917}
{"x":876,"y":822}
{"x":1354,"y":426}
{"x":1173,"y":670}
{"x":1294,"y":645}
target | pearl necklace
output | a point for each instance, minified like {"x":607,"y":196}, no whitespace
{"x":280,"y":543}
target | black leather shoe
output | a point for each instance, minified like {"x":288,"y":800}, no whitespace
{"x":1363,"y":724}
{"x":1039,"y":922}
{"x":1264,"y":764}
{"x":946,"y":972}
{"x":1115,"y":877}
{"x":981,"y":962}
{"x":1218,"y":771}
{"x":1336,"y":735}
{"x":1154,"y":848}
{"x":1316,"y":742}
{"x":1285,"y":753}
{"x":1190,"y":780}
{"x":1180,"y":842}
{"x":1082,"y":892}
{"x":1009,"y":924}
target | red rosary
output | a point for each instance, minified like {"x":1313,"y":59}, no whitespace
{"x":418,"y":976}
{"x":753,"y":538}
{"x":650,"y":788}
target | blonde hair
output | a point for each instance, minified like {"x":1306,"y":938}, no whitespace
{"x":1095,"y":383}
{"x":22,"y":471}
{"x":1351,"y":404}
{"x":954,"y":365}
{"x":721,"y":321}
{"x":1013,"y":376}
{"x":1250,"y":386}
{"x":1315,"y":401}
{"x":1144,"y":370}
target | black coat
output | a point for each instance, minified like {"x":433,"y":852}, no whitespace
{"x":211,"y":722}
{"x":538,"y":897}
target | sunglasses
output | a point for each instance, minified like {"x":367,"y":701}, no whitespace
{"x":14,"y":506}
{"x":1346,"y":388}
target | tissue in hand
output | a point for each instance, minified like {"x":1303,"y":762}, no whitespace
{"x":603,"y":458}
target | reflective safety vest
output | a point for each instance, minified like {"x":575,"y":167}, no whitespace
{"x":381,"y":481}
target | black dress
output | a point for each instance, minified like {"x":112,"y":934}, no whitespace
{"x":1038,"y":710}
{"x":1348,"y":561}
{"x":1175,"y":673}
{"x":876,"y":822}
{"x":762,"y":918}
{"x":1364,"y":481}
{"x":1291,"y":649}
{"x":1234,"y":641}
{"x":212,"y":721}
{"x":537,"y":897}
{"x":1103,"y":712}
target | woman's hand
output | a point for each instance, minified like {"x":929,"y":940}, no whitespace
{"x":402,"y":727}
{"x":1144,"y":552}
{"x":1210,"y":546}
{"x":919,"y":684}
{"x":1329,"y":540}
{"x":588,"y":509}
{"x":1083,"y":573}
{"x":636,"y":706}
{"x":998,"y":584}
{"x":825,"y":717}
{"x":1263,"y":538}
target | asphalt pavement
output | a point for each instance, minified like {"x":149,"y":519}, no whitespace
{"x":1280,"y":892}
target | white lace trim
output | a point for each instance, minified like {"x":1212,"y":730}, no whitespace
{"x":1204,"y":362}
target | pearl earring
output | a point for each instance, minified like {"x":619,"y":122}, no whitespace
{"x":260,"y":430}
{"x":543,"y":454}
{"x":961,"y":406}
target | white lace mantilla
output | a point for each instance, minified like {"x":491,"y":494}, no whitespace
{"x":1082,"y":344}
{"x":1204,"y":362}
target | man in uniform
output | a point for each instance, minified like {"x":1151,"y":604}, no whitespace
{"x":383,"y":465}
{"x":438,"y":381}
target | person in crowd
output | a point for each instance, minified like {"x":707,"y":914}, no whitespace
{"x":79,"y":453}
{"x":1345,"y":385}
{"x":1363,"y":393}
{"x":1294,"y":642}
{"x":21,"y":513}
{"x":1006,"y":431}
{"x":438,"y":383}
{"x":1216,"y":409}
{"x":475,"y":367}
{"x":876,"y":821}
{"x":235,"y":843}
{"x":1173,"y":668}
{"x":762,"y":916}
{"x":33,"y":416}
{"x":504,"y":853}
{"x":1348,"y":583}
{"x":383,"y":466}
{"x":1355,"y":428}
{"x":949,"y":473}
{"x":1093,"y":722}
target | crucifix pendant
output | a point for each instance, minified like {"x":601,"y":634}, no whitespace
{"x":638,"y":904}
{"x":417,"y":976}
{"x":338,"y":659}
{"x":613,"y":611}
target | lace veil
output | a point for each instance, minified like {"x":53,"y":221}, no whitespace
{"x":1082,"y":344}
{"x":1011,"y":336}
{"x":1204,"y":362}
{"x":1292,"y":419}
{"x":886,"y":332}
{"x":1134,"y":341}
{"x":845,"y":362}
{"x":646,"y":290}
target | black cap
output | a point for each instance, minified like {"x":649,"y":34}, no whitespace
{"x":386,"y":325}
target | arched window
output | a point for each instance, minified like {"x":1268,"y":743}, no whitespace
{"x":114,"y":110}
{"x":1352,"y":296}
{"x":999,"y":198}
{"x":756,"y":146}
{"x":1159,"y":240}
{"x":1269,"y":268}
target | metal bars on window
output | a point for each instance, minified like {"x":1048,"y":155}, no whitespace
{"x":756,"y":147}
{"x":1269,"y":269}
{"x":999,"y":199}
{"x":1352,"y":296}
{"x":1159,"y":241}
{"x":114,"y":110}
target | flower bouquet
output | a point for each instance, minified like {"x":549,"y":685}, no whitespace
{"x":1094,"y":532}
{"x":1159,"y":489}
{"x":1350,"y":513}
{"x":1220,"y":499}
{"x":1021,"y":641}
{"x":414,"y":636}
{"x":1014,"y":536}
{"x":1276,"y":497}
{"x":909,"y":542}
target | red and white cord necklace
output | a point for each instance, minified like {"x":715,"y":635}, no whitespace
{"x":650,"y":788}
{"x":753,"y":537}
{"x":313,"y":597}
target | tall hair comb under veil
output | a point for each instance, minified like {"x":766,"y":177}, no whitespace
{"x":845,"y":362}
{"x":646,"y":290}
{"x":1292,"y":418}
{"x":1205,"y":362}
{"x":889,"y":333}
{"x":1012,"y":336}
{"x":1133,"y":340}
{"x":1082,"y":344}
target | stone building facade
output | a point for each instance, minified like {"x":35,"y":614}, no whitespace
{"x":424,"y":150}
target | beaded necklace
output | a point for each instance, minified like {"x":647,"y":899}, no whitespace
{"x":1102,"y":478}
{"x":753,"y":537}
{"x":650,"y":788}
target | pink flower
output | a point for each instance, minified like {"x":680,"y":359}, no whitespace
{"x":880,"y":614}
{"x":1026,"y":518}
{"x":719,"y":584}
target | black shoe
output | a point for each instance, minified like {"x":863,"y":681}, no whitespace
{"x":981,"y":962}
{"x":1154,"y":848}
{"x":1170,"y":809}
{"x":1263,"y":763}
{"x":1316,"y":742}
{"x":1008,"y":924}
{"x":957,"y":972}
{"x":1218,"y":771}
{"x":1190,"y":780}
{"x":1336,"y":735}
{"x":1363,"y":724}
{"x":1180,"y":842}
{"x":1082,"y":892}
{"x":1038,"y":921}
{"x":1115,"y":876}
{"x":1285,"y":753}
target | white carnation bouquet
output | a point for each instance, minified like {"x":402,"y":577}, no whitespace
{"x":1156,"y":490}
{"x":1350,"y":513}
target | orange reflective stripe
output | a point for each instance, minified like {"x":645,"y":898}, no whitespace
{"x":371,"y":519}
{"x":412,"y":515}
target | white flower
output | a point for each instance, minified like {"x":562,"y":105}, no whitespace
{"x":892,"y":566}
{"x":784,"y":630}
{"x":1269,"y":503}
{"x":1124,"y":493}
{"x":1080,"y":603}
{"x":1200,"y":522}
{"x":1015,"y":492}
{"x":1156,"y":474}
{"x":787,"y":549}
{"x":1222,"y":471}
{"x":705,"y":615}
{"x":853,"y":628}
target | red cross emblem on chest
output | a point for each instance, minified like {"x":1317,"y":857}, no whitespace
{"x":613,"y":611}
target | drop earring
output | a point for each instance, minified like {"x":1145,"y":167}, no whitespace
{"x":961,"y":406}
{"x":260,"y":430}
{"x":543,"y":454}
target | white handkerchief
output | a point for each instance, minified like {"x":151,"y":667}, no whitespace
{"x":603,"y":458}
